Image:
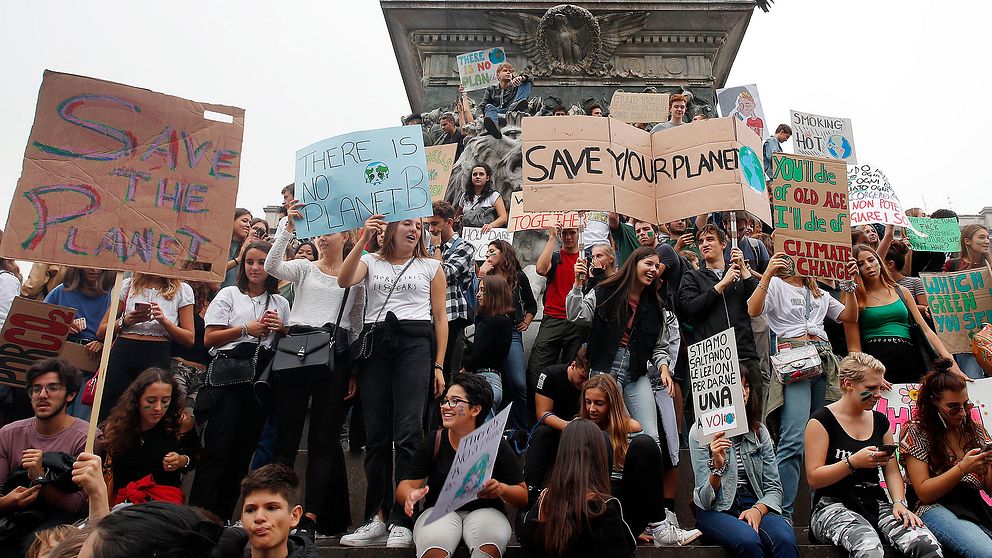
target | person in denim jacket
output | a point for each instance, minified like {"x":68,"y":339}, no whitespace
{"x":737,"y":490}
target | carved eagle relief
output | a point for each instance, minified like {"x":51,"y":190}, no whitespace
{"x":567,"y":39}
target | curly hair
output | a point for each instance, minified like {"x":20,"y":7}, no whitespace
{"x":124,"y":421}
{"x":927,"y":416}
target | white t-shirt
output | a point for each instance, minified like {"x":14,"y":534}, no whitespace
{"x":597,"y":229}
{"x":479,"y":203}
{"x":231,"y":308}
{"x":411,"y":299}
{"x":10,"y":287}
{"x":786,"y":307}
{"x":169,"y":307}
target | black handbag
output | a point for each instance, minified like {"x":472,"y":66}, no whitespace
{"x":918,"y":336}
{"x":362,"y":347}
{"x":236,"y":366}
{"x":311,"y":352}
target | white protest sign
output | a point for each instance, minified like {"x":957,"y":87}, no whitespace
{"x":481,"y":240}
{"x":477,"y":70}
{"x":717,"y":392}
{"x":472,"y":466}
{"x":823,"y":136}
{"x":639,"y":107}
{"x":872,"y":200}
{"x":521,"y":220}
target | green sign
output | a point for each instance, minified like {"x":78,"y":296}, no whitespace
{"x":943,"y":235}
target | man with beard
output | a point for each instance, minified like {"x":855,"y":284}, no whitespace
{"x":51,"y":384}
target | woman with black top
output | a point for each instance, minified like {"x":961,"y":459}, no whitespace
{"x":493,"y":332}
{"x":501,"y":259}
{"x":576,"y":515}
{"x":846,"y":443}
{"x":481,"y":205}
{"x":481,"y":523}
{"x":944,"y":453}
{"x":148,"y":443}
{"x":243,"y":320}
{"x":190,"y":363}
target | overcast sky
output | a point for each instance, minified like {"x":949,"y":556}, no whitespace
{"x":305,"y":71}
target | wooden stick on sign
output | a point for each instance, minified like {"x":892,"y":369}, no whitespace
{"x":733,"y":229}
{"x":108,"y":338}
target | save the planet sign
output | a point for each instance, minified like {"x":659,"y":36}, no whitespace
{"x":344,"y":180}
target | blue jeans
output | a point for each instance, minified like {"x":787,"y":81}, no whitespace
{"x":266,"y":443}
{"x":964,"y":538}
{"x":773,"y":538}
{"x":515,"y":374}
{"x":492,"y":112}
{"x":969,"y":365}
{"x":801,"y":399}
{"x":492,"y":376}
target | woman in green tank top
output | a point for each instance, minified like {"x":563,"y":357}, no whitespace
{"x":884,"y":320}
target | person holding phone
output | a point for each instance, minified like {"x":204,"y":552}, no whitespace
{"x":946,"y":452}
{"x":155,"y":311}
{"x":844,"y":449}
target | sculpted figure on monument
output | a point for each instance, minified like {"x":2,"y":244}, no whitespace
{"x":568,"y":39}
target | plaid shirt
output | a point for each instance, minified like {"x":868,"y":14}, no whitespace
{"x":458,"y":264}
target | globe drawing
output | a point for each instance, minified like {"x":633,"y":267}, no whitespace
{"x":839,"y":147}
{"x":754,"y":173}
{"x":496,"y":56}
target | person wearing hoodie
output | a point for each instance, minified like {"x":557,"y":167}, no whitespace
{"x":271,"y":509}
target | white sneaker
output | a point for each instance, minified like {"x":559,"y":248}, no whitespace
{"x":399,"y":537}
{"x":372,"y":533}
{"x":666,"y":534}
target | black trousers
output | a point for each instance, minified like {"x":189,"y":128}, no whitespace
{"x":326,"y":492}
{"x":234,"y":421}
{"x":128,"y":359}
{"x":541,"y":454}
{"x":641,"y":491}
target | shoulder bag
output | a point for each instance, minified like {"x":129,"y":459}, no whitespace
{"x":361,"y":349}
{"x":918,"y":336}
{"x":235,"y":366}
{"x":792,"y":364}
{"x":310,"y":352}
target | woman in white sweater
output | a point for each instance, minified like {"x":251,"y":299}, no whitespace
{"x":318,"y":298}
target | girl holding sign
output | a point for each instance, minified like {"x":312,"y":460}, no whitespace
{"x":846,"y":443}
{"x":946,"y":454}
{"x":638,"y":464}
{"x":481,"y":205}
{"x":738,"y":492}
{"x":406,"y":329}
{"x":796,"y":310}
{"x":975,"y":249}
{"x":481,"y":523}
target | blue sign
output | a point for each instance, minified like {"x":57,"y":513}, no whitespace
{"x":344,"y":180}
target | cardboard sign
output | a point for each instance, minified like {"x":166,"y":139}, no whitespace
{"x":590,"y":163}
{"x":639,"y":107}
{"x":743,"y":103}
{"x":521,"y":220}
{"x":440,"y":161}
{"x":481,"y":240}
{"x":811,"y":217}
{"x":959,"y":303}
{"x":344,"y":180}
{"x":117,"y":177}
{"x":77,"y":355}
{"x":823,"y":136}
{"x":472,"y":466}
{"x":872,"y":199}
{"x":717,"y":392}
{"x":33,"y":331}
{"x":477,"y":70}
{"x":941,"y":235}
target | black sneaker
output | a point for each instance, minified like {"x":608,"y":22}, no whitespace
{"x":492,"y":127}
{"x":306,"y":528}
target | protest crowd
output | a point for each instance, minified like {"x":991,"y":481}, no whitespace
{"x":395,"y":339}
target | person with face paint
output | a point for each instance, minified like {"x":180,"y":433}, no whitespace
{"x":407,"y":326}
{"x":946,"y":453}
{"x":239,"y":319}
{"x":796,"y":310}
{"x":481,"y":523}
{"x":737,"y":492}
{"x":846,"y":444}
{"x":882,"y":330}
{"x":52,"y":384}
{"x":148,"y":443}
{"x":317,"y":301}
{"x":637,"y":463}
{"x":481,"y":205}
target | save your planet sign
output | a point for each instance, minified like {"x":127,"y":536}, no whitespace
{"x":344,"y":180}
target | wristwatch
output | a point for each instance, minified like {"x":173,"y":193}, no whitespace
{"x":120,"y":322}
